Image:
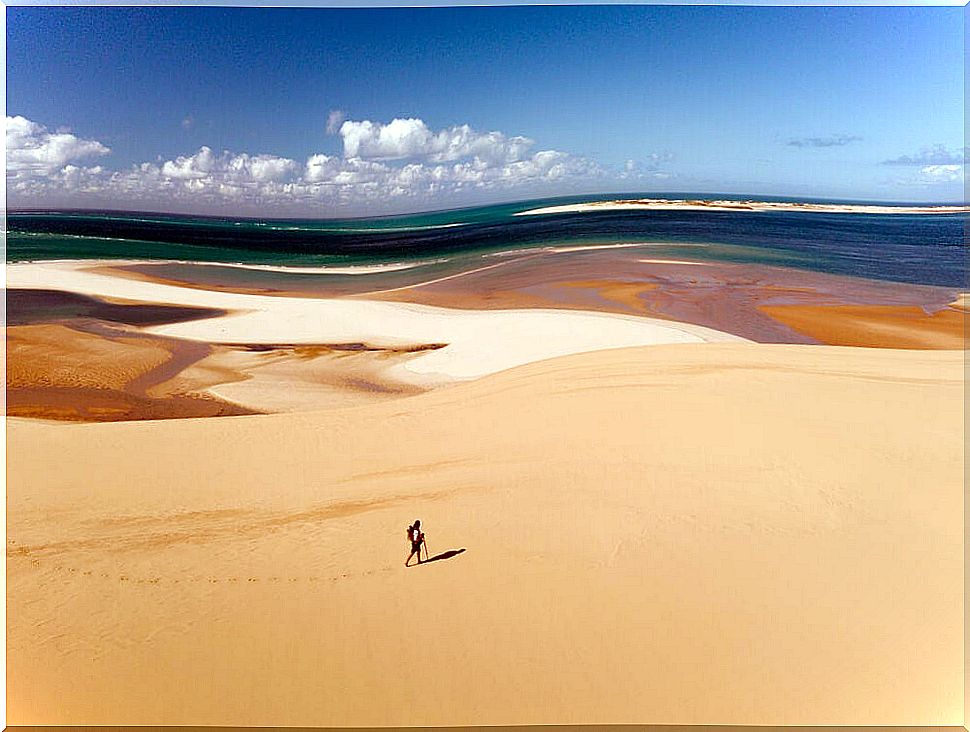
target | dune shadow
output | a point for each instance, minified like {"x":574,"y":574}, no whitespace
{"x":444,"y":555}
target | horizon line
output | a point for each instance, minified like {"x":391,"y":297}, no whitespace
{"x":657,"y":195}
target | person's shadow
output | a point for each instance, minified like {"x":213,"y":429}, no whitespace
{"x":444,"y":555}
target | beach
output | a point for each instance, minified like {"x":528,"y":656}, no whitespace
{"x":646,"y":324}
{"x":115,"y":340}
{"x":654,"y":489}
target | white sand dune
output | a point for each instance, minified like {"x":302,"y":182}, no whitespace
{"x":675,"y":261}
{"x":476,"y":342}
{"x":353,"y":269}
{"x":732,"y":534}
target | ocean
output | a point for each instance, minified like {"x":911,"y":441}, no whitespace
{"x":913,"y":248}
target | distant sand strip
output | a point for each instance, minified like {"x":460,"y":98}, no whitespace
{"x":477,"y":342}
{"x":350,"y":269}
{"x":662,"y":204}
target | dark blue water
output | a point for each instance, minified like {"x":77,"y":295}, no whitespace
{"x":926,"y":249}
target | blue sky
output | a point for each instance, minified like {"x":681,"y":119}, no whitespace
{"x":227,"y":109}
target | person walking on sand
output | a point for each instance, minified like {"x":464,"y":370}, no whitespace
{"x":416,"y":537}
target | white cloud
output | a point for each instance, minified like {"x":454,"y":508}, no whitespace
{"x":32,"y":148}
{"x":230,"y":169}
{"x":401,"y":161}
{"x":412,"y":139}
{"x":193,"y":167}
{"x":941,"y":173}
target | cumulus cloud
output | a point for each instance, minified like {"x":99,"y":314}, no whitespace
{"x":411,"y":138}
{"x":933,"y":155}
{"x":33,"y":149}
{"x":236,"y":169}
{"x":402,"y":160}
{"x":829,"y":141}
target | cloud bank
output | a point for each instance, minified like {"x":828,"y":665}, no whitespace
{"x":382,"y":164}
{"x":830,"y":141}
{"x":933,"y":167}
{"x":932,"y":155}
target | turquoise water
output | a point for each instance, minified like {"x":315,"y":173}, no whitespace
{"x":927,"y":249}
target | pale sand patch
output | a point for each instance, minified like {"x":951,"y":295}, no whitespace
{"x":478,"y":342}
{"x":675,"y":261}
{"x":294,"y":379}
{"x":357,"y":269}
{"x":733,"y":534}
{"x":962,"y":302}
{"x":590,"y":247}
{"x":660,"y":204}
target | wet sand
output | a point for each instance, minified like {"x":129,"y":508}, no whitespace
{"x":762,"y":303}
{"x":720,"y":295}
{"x":273,"y":353}
{"x":875,"y":326}
{"x":32,"y":306}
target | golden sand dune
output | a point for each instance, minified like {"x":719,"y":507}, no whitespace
{"x":718,"y":533}
{"x":59,"y":372}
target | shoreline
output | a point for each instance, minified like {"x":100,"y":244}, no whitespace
{"x":364,"y":341}
{"x":479,"y":342}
